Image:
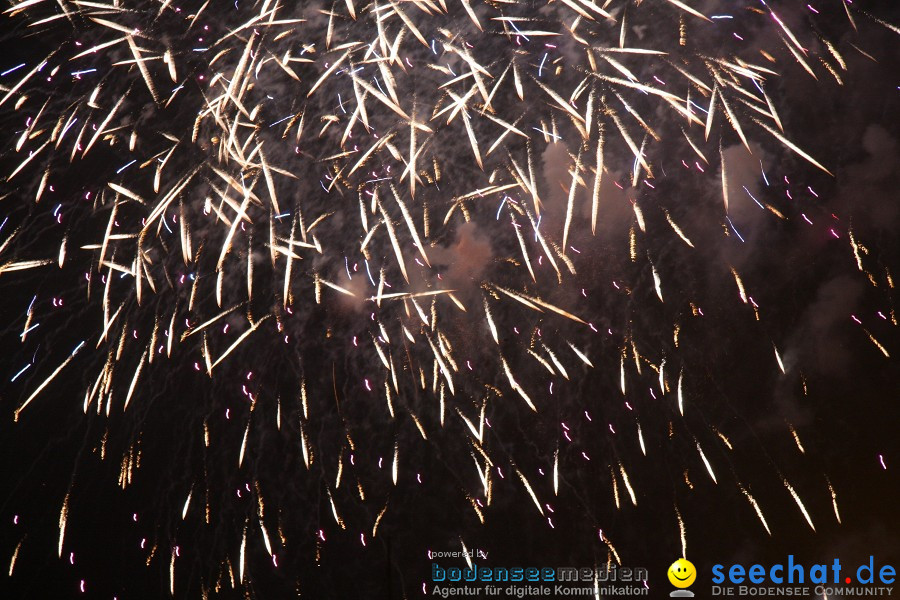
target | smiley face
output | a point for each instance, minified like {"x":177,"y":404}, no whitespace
{"x":682,"y":573}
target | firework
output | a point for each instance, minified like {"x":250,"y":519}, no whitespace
{"x":302,"y":264}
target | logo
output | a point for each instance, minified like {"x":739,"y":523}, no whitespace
{"x":536,"y":582}
{"x":681,"y":575}
{"x":791,"y":578}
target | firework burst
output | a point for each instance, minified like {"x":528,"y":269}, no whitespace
{"x":310,"y":261}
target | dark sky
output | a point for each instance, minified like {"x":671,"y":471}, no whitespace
{"x":774,"y":320}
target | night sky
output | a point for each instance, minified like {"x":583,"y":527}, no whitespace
{"x":292,"y":296}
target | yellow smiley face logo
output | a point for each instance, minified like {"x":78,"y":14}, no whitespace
{"x":682,"y":573}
